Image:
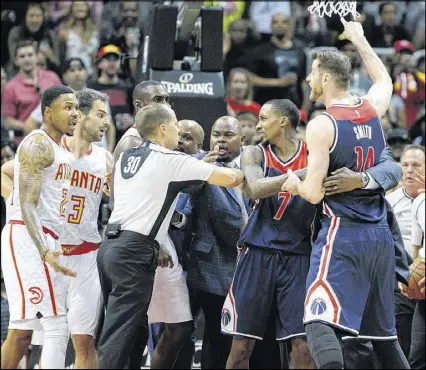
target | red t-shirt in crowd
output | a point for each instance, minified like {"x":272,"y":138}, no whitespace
{"x":20,"y":98}
{"x":238,"y":107}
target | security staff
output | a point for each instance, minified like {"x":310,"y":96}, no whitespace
{"x":146,"y":182}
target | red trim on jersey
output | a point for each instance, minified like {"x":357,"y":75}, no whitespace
{"x":298,"y":161}
{"x":83,"y":248}
{"x":358,"y":114}
{"x":52,"y":293}
{"x":45,"y":229}
{"x":64,"y":141}
{"x":321,"y":281}
{"x":21,"y":288}
{"x":51,"y":137}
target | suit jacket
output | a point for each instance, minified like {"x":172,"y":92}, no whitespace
{"x":216,"y":226}
{"x":387,"y":174}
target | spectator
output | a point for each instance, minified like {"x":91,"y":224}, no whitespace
{"x":21,"y":94}
{"x":58,"y":11}
{"x":238,"y":43}
{"x":389,"y":30}
{"x":417,"y":131}
{"x":414,"y":22}
{"x":412,"y":162}
{"x":279,"y":66}
{"x":398,"y":139}
{"x":118,"y":90}
{"x":239,"y":93}
{"x":80,"y":34}
{"x":248,"y":121}
{"x":409,"y":83}
{"x":262,"y":12}
{"x":35,"y":29}
{"x":360,"y":81}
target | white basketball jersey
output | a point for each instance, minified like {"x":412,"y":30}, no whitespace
{"x":84,"y":197}
{"x":53,"y":196}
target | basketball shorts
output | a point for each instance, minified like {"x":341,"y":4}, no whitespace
{"x":33,"y":287}
{"x":83,"y":293}
{"x":170,"y":298}
{"x":351,"y":279}
{"x":264,"y":277}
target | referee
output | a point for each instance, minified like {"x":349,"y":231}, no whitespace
{"x":146,"y":182}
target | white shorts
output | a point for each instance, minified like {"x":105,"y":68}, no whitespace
{"x":170,"y":298}
{"x":83,"y":293}
{"x":32,"y":286}
{"x":83,"y":297}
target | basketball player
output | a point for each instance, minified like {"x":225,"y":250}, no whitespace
{"x":350,"y":282}
{"x":80,"y":240}
{"x":32,"y":273}
{"x":276,"y":242}
{"x":177,"y":318}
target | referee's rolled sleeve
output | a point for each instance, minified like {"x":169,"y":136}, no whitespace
{"x":191,"y":168}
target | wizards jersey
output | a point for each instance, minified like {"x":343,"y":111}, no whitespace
{"x":358,"y":144}
{"x":282,"y":221}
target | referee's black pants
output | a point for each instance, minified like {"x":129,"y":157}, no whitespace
{"x":126,"y":267}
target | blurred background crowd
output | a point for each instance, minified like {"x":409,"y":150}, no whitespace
{"x":266,"y":55}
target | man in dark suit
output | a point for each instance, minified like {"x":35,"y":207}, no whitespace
{"x":219,"y":214}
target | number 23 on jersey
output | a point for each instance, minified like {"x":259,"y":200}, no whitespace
{"x":77,"y":207}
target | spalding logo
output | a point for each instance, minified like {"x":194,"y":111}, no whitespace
{"x":186,"y":77}
{"x":226,"y":317}
{"x":318,"y":306}
{"x":37,"y":295}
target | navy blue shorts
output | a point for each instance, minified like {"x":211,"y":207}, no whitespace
{"x":351,"y":279}
{"x":264,"y":277}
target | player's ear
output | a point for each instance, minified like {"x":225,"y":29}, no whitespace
{"x":47,"y":113}
{"x":326,"y":78}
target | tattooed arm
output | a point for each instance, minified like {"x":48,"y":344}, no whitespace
{"x":256,"y":185}
{"x":35,"y":155}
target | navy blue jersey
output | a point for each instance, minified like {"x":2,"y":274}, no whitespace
{"x":282,"y":221}
{"x":358,"y":144}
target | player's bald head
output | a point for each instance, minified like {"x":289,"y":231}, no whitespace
{"x":149,"y":118}
{"x":229,"y":121}
{"x":192,"y":126}
{"x":150,"y":92}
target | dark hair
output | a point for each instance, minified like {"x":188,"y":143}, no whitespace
{"x":67,"y":64}
{"x":52,"y":93}
{"x":25,"y":44}
{"x":382,"y":7}
{"x":315,"y":107}
{"x":286,"y":108}
{"x":87,"y":97}
{"x":141,"y":88}
{"x":150,"y":117}
{"x":337,"y":64}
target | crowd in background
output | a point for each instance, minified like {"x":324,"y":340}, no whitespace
{"x":266,"y":55}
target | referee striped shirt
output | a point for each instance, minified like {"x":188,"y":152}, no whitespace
{"x":147,"y":181}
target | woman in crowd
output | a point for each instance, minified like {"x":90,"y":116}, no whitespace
{"x":239,"y":93}
{"x":35,"y":29}
{"x":80,"y":35}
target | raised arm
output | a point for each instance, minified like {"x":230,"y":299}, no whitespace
{"x":256,"y":185}
{"x":35,"y":155}
{"x":319,"y":138}
{"x":380,"y":93}
{"x":7,"y":171}
{"x":226,"y":177}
